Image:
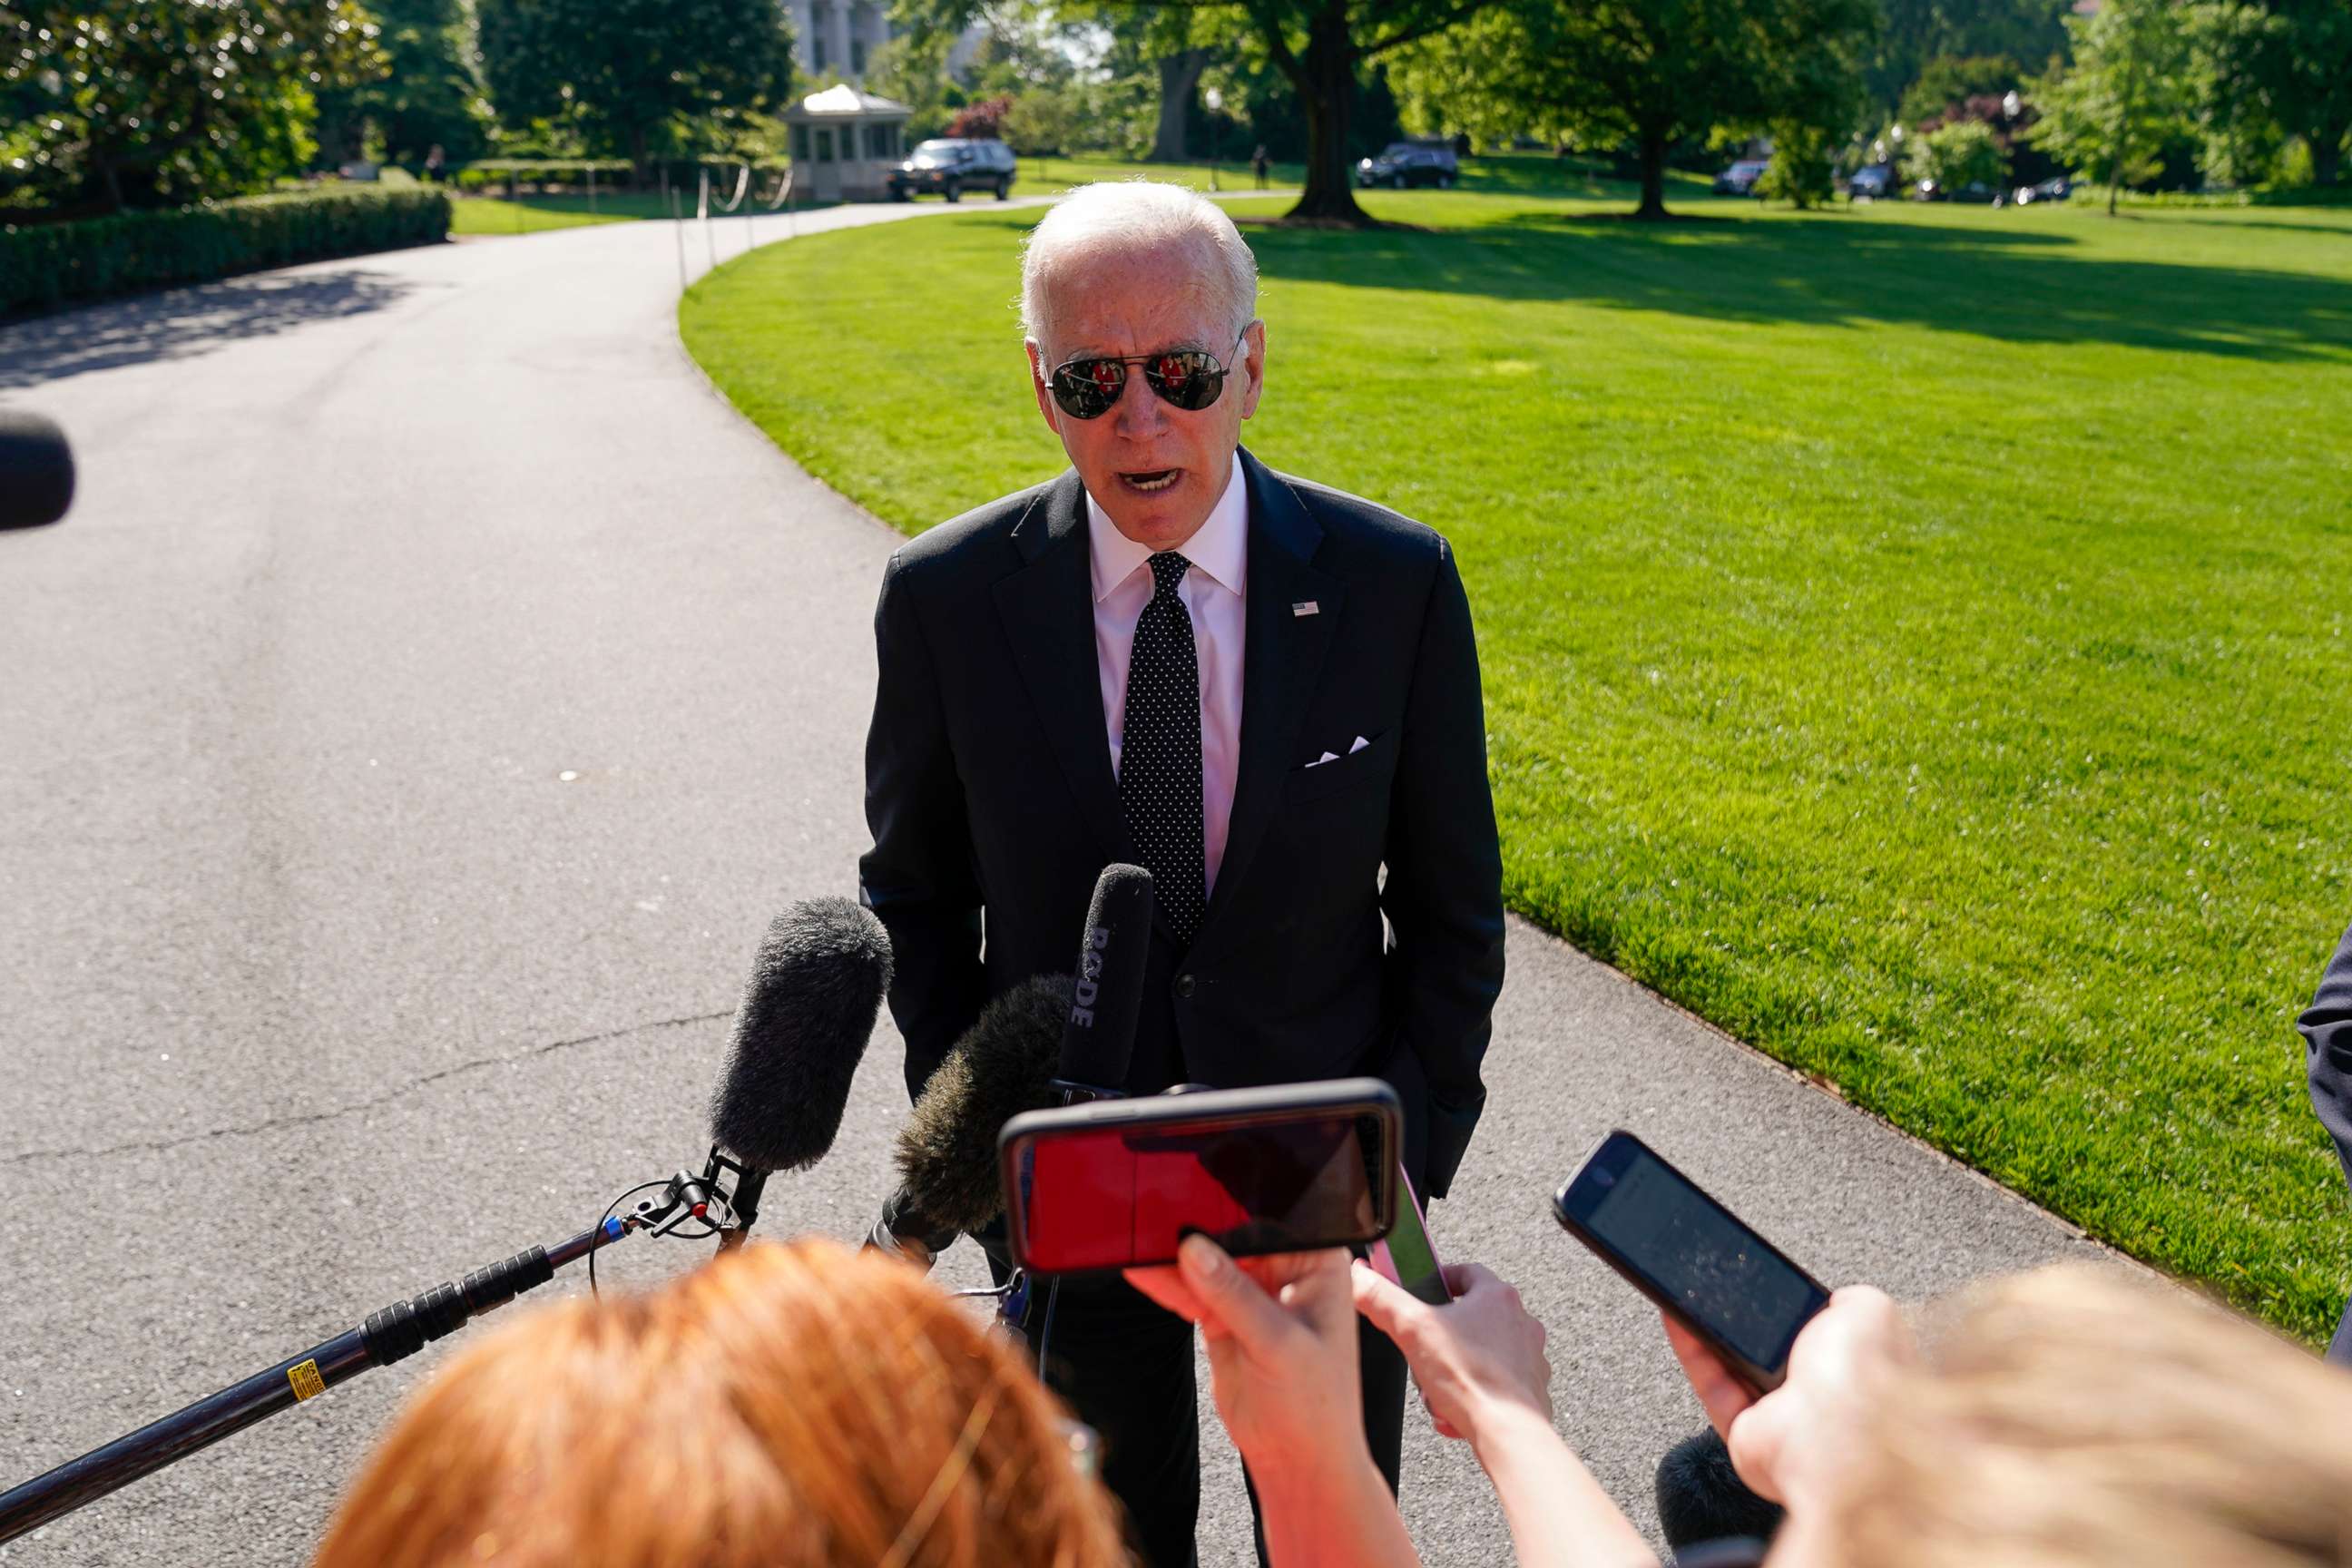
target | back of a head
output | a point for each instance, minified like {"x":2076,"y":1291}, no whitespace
{"x":792,"y":1406}
{"x":2074,"y":1416}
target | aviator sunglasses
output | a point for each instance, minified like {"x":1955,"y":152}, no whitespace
{"x":1189,"y":379}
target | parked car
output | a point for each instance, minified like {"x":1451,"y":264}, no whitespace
{"x":1976,"y":192}
{"x":1875,"y":181}
{"x":948,"y":166}
{"x":2056,"y":189}
{"x":1739,"y":180}
{"x":1403,"y":164}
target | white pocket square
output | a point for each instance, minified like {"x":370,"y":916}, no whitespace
{"x":1334,"y":756}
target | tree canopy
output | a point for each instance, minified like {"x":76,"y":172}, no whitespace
{"x":1649,"y":72}
{"x":114,"y":103}
{"x":630,"y":69}
{"x":2128,"y":92}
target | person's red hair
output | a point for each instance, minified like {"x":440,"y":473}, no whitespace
{"x":792,"y":1406}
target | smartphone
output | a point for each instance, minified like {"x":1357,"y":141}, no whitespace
{"x":1405,"y":1257}
{"x":1117,"y":1183}
{"x":1691,"y":1256}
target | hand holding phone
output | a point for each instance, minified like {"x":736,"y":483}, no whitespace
{"x":1478,"y":1361}
{"x":1795,"y":1441}
{"x":1734,"y":1290}
{"x":1120,"y":1183}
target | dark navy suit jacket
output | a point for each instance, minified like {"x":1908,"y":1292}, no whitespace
{"x":2327,"y":1028}
{"x":993,"y":808}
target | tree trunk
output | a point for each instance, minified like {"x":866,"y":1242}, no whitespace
{"x":1180,"y":74}
{"x":1654,"y":177}
{"x":1326,"y":80}
{"x":2327,"y":155}
{"x":636,"y":156}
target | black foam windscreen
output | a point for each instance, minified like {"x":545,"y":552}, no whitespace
{"x":36,"y":470}
{"x":1702,"y":1498}
{"x":816,"y":989}
{"x":1107,"y":990}
{"x":1002,"y":1066}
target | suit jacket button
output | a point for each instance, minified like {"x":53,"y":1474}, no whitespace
{"x":1183,"y":985}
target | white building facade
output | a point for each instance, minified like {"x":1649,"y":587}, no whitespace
{"x":837,"y":38}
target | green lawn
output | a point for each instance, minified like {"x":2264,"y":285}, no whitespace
{"x":1913,"y":638}
{"x":532,"y":214}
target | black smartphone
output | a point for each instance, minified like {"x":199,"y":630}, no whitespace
{"x":1117,"y":1183}
{"x":1691,"y":1256}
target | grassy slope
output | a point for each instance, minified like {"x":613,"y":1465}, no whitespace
{"x":1909,"y":635}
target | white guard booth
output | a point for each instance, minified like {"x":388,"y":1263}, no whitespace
{"x":845,"y":142}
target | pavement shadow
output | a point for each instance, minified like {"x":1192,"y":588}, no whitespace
{"x":2016,"y":285}
{"x":180,"y":322}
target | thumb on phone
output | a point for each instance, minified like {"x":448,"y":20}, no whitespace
{"x":1723,"y":1396}
{"x":1232,"y":1303}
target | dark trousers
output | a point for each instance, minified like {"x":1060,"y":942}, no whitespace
{"x":1125,"y":1365}
{"x":2340,"y":1351}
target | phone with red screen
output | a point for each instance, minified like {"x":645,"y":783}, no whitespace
{"x":1117,"y":1183}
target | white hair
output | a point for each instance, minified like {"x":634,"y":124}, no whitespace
{"x":1130,"y":215}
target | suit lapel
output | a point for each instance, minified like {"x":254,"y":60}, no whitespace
{"x":1281,"y":657}
{"x":1047,"y":609}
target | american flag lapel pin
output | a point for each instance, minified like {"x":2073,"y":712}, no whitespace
{"x":1305,"y":608}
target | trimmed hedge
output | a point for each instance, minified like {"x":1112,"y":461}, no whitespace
{"x":43,"y":265}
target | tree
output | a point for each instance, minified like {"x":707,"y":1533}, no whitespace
{"x":2128,"y":92}
{"x":1956,"y":155}
{"x":431,"y":93}
{"x":115,"y":103}
{"x":1321,"y":47}
{"x":1947,"y":83}
{"x":631,"y":69}
{"x":1920,"y":33}
{"x":1652,"y":73}
{"x":2302,"y":65}
{"x":2236,"y":122}
{"x":1803,"y":170}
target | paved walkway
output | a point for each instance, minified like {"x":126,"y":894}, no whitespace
{"x":434,"y":691}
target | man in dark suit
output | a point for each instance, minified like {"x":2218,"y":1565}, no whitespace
{"x":2327,"y":1028}
{"x":1263,"y":690}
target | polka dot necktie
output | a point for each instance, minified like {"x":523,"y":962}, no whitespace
{"x":1160,"y":754}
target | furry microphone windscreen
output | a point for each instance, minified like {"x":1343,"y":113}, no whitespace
{"x":1004,"y":1066}
{"x":815,"y":992}
{"x":1701,"y":1498}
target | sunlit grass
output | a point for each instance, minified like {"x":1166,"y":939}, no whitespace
{"x":1913,"y":638}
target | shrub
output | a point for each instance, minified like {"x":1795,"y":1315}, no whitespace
{"x":1803,"y":167}
{"x":45,"y":265}
{"x":982,"y":122}
{"x":1962,"y":154}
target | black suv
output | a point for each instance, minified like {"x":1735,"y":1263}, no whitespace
{"x":948,"y":166}
{"x":1403,"y":164}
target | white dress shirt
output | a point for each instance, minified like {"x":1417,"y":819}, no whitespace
{"x":1213,"y":593}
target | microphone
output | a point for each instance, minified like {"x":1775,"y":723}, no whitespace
{"x":815,"y":992}
{"x":1098,"y":1040}
{"x":36,"y":470}
{"x":1046,"y":1042}
{"x":1004,"y":1065}
{"x":811,"y":1004}
{"x":1701,"y":1498}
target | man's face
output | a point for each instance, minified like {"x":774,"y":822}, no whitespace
{"x":1155,"y":469}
